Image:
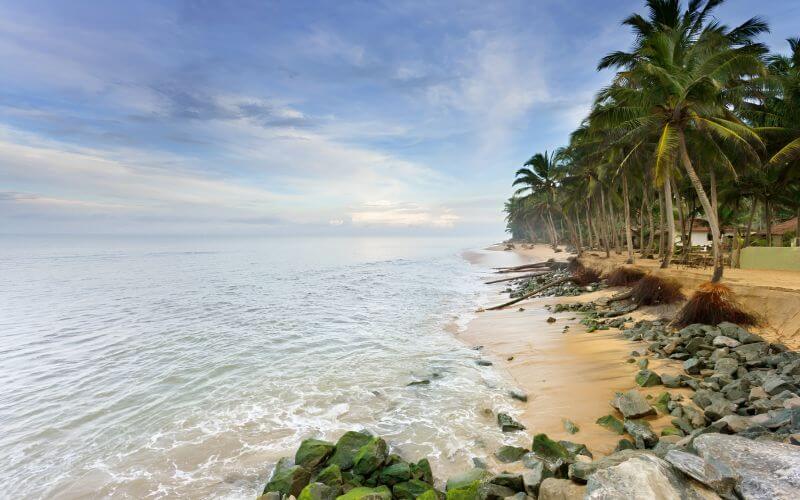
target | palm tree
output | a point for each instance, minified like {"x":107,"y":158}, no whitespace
{"x":677,"y":85}
{"x":538,"y":178}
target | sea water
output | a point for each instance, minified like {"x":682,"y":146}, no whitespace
{"x":185,"y":367}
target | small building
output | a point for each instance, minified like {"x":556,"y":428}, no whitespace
{"x":781,"y":228}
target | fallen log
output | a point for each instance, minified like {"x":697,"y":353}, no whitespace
{"x":620,"y":296}
{"x":532,"y":265}
{"x":530,"y":294}
{"x":531,"y":275}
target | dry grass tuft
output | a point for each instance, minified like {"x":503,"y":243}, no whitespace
{"x":624,"y":276}
{"x":653,"y":290}
{"x":586,"y":276}
{"x":712,"y":304}
{"x":574,"y":265}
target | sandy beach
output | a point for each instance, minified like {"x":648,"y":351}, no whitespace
{"x":571,"y":374}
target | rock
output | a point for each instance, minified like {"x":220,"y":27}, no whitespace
{"x":365,"y":493}
{"x":546,"y":448}
{"x":430,"y":495}
{"x":422,"y":471}
{"x":511,"y":481}
{"x":467,"y":492}
{"x":419,"y":382}
{"x":347,"y":447}
{"x":726,"y":366}
{"x":518,"y":395}
{"x":632,"y":404}
{"x":611,"y":423}
{"x":272,"y":495}
{"x":576,"y":449}
{"x":395,"y":473}
{"x":409,"y":490}
{"x":640,"y":477}
{"x":331,"y":476}
{"x":551,"y":319}
{"x":288,"y":478}
{"x":752,"y":352}
{"x":775,"y":384}
{"x":507,"y":454}
{"x":714,"y":474}
{"x":370,"y":457}
{"x":723,"y":341}
{"x":465,"y":479}
{"x":767,"y":469}
{"x":551,"y":467}
{"x":662,"y":402}
{"x":647,"y":378}
{"x":317,"y":491}
{"x":508,"y":424}
{"x":532,"y":478}
{"x":483,"y":362}
{"x":671,"y":381}
{"x":581,"y":471}
{"x":643,"y":363}
{"x":624,"y":444}
{"x":570,"y":426}
{"x":692,"y":366}
{"x":641,"y":432}
{"x":313,"y":452}
{"x":560,"y":489}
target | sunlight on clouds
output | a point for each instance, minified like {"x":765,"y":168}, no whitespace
{"x":402,"y":214}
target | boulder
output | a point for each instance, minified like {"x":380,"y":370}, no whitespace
{"x":511,"y":481}
{"x":317,"y":491}
{"x":370,"y":456}
{"x":409,"y":490}
{"x":671,"y":381}
{"x":533,"y":477}
{"x":723,"y":341}
{"x":560,"y":489}
{"x":766,"y":469}
{"x":330,"y":475}
{"x":288,"y":478}
{"x":552,"y":467}
{"x":580,"y":471}
{"x":611,"y":423}
{"x":364,"y":493}
{"x":430,"y":495}
{"x":726,"y":366}
{"x":422,"y":471}
{"x":714,"y":474}
{"x":647,"y":378}
{"x":692,"y":366}
{"x":775,"y":384}
{"x":507,"y":454}
{"x":313,"y":452}
{"x":395,"y":473}
{"x":518,"y":395}
{"x":466,"y":492}
{"x":546,"y":448}
{"x":641,"y":432}
{"x":508,"y":424}
{"x":465,"y":479}
{"x":644,"y":476}
{"x":347,"y":447}
{"x":491,"y":491}
{"x":632,"y":404}
{"x":752,"y":352}
{"x":576,"y":449}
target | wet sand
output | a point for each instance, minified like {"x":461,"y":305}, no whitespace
{"x":568,"y":374}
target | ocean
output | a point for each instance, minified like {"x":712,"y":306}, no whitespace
{"x":158,"y":367}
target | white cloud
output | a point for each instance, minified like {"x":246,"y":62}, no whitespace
{"x":388,"y":213}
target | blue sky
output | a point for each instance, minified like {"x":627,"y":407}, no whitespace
{"x":286,"y":117}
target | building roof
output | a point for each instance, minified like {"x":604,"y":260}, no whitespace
{"x":785,"y":226}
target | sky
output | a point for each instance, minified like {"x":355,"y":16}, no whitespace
{"x":295,"y":117}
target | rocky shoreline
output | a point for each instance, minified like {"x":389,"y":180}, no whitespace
{"x":735,"y":436}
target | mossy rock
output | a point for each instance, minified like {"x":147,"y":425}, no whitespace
{"x":624,"y":444}
{"x":546,"y":448}
{"x":395,"y":473}
{"x":576,"y":448}
{"x":465,"y":479}
{"x":422,"y":471}
{"x":330,"y":475}
{"x":570,"y":426}
{"x":611,"y":423}
{"x":347,"y":447}
{"x":409,"y":490}
{"x":288,"y":479}
{"x":350,"y":480}
{"x":317,"y":491}
{"x":647,"y":378}
{"x":364,"y":493}
{"x":370,"y":456}
{"x":313,"y":453}
{"x":662,"y":401}
{"x":672,"y":431}
{"x":507,"y":454}
{"x":465,"y":492}
{"x":429,"y":495}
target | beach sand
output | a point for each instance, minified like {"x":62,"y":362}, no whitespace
{"x":567,"y":374}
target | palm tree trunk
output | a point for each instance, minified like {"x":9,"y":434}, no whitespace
{"x":713,"y":221}
{"x":641,"y":223}
{"x":750,"y":222}
{"x":580,"y":231}
{"x":768,"y":220}
{"x":589,"y":229}
{"x":669,"y":218}
{"x":661,"y":225}
{"x":681,"y":219}
{"x":628,"y":234}
{"x":553,"y":234}
{"x":797,"y":228}
{"x":607,"y":234}
{"x":651,"y":239}
{"x":613,"y":225}
{"x":573,"y":234}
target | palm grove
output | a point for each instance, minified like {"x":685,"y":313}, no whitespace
{"x":700,"y":121}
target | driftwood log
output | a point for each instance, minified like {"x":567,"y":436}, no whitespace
{"x":530,"y":294}
{"x":531,"y":275}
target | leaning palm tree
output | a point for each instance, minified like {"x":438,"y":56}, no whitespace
{"x":538,"y":178}
{"x":678,"y":85}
